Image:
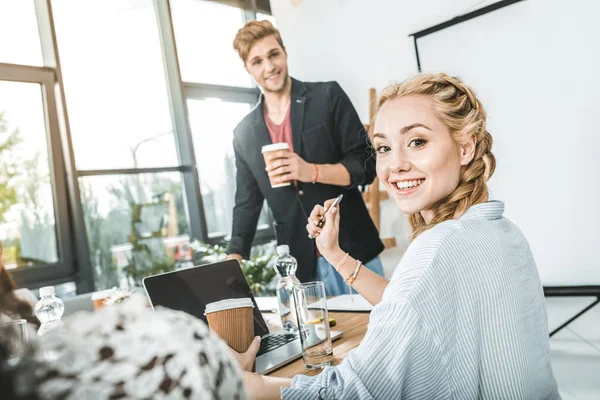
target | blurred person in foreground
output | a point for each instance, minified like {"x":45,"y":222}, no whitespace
{"x":125,"y":351}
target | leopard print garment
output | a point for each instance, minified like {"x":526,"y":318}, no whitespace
{"x":128,"y":351}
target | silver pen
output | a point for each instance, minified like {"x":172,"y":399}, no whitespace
{"x":322,"y":220}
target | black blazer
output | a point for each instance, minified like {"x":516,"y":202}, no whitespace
{"x":325,"y":130}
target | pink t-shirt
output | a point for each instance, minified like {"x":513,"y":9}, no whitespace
{"x":280,"y":133}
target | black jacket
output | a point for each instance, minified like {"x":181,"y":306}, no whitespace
{"x":325,"y":130}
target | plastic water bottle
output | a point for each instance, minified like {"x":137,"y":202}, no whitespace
{"x":49,"y":310}
{"x":286,"y":266}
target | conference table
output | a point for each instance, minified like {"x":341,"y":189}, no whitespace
{"x":354,"y":326}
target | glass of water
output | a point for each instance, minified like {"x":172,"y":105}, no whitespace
{"x":313,"y":325}
{"x":14,"y":336}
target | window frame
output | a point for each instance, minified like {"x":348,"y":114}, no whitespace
{"x":201,"y":91}
{"x":72,"y":242}
{"x":63,"y":270}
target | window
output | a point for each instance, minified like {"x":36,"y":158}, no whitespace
{"x":34,"y":212}
{"x":98,"y":178}
{"x":27,"y":224}
{"x":20,"y":42}
{"x":219,"y":94}
{"x":136,"y":226}
{"x":115,"y":84}
{"x":204,"y":32}
{"x":212,"y":122}
{"x":124,"y":142}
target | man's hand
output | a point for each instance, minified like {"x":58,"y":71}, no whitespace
{"x":246,"y":360}
{"x":234,"y":256}
{"x":285,"y":166}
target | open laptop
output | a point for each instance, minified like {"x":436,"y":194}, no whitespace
{"x":190,"y":290}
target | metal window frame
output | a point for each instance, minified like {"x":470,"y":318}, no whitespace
{"x":64,"y":269}
{"x":200,"y":91}
{"x":184,"y":90}
{"x":72,"y":241}
{"x":183,"y":138}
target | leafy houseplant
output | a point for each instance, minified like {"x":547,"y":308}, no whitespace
{"x":148,"y":256}
{"x":258,"y":270}
{"x":146,"y":259}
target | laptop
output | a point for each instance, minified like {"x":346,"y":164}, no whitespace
{"x":190,"y":290}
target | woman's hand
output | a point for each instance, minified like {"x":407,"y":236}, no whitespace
{"x":327,"y":237}
{"x":262,"y":387}
{"x":258,"y":386}
{"x":246,"y":360}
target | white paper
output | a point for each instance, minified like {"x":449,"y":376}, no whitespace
{"x":344,"y":303}
{"x":267,"y":304}
{"x":338,"y":303}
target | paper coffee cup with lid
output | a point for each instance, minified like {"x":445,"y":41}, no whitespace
{"x":269,"y":149}
{"x":233,"y":321}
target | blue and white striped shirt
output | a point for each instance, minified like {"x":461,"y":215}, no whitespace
{"x":463,"y":317}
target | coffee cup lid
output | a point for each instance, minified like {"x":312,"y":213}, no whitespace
{"x":275,"y":146}
{"x":228,"y":304}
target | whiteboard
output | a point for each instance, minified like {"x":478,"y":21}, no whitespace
{"x":536,"y":67}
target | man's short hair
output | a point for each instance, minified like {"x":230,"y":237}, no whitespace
{"x":251,"y":33}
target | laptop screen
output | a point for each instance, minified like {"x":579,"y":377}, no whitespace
{"x":190,"y":290}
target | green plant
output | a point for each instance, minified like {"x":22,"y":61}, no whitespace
{"x":23,"y":183}
{"x":9,"y":165}
{"x":205,"y":253}
{"x":258,"y":270}
{"x":144,"y":263}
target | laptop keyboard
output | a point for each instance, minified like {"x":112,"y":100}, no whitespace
{"x":270,"y":343}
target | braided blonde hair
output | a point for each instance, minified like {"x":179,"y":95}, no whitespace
{"x":457,"y":107}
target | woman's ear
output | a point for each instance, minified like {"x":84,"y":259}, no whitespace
{"x":467,"y":151}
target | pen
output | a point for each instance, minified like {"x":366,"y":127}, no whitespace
{"x":322,"y":220}
{"x":335,"y":203}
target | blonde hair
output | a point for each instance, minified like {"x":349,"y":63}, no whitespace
{"x":456,"y":105}
{"x":252,"y":32}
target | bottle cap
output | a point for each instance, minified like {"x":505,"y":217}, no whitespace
{"x":283,"y":249}
{"x":47,"y":291}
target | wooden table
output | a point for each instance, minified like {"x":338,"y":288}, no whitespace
{"x":354,"y":326}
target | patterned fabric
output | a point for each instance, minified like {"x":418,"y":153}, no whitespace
{"x":129,"y":351}
{"x":463,"y":317}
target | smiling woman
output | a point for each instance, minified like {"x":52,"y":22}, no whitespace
{"x":464,"y":313}
{"x":433,"y":151}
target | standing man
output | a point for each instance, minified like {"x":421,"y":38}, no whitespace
{"x":328,"y":156}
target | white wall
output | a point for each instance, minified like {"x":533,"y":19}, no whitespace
{"x":536,"y":82}
{"x":361,"y":44}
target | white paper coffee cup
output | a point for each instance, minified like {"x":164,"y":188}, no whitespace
{"x":269,"y":148}
{"x":233,"y":321}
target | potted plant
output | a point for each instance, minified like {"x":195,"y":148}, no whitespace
{"x":258,"y":270}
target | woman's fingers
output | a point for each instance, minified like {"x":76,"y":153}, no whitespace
{"x":314,"y":225}
{"x":313,"y":230}
{"x":317,"y":211}
{"x":313,"y":220}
